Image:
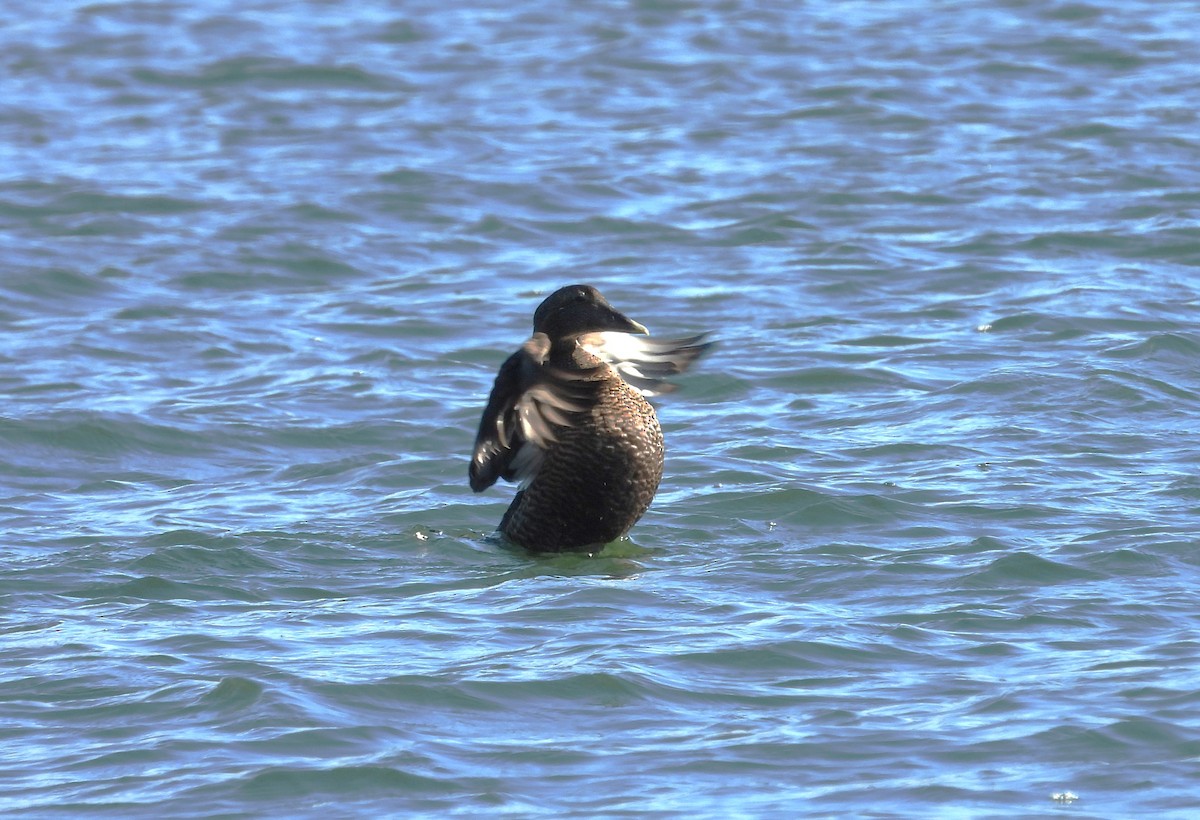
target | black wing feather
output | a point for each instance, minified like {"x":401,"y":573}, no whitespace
{"x":529,"y":402}
{"x":494,"y":439}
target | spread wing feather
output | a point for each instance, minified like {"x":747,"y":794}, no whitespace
{"x":645,"y":362}
{"x":529,"y":402}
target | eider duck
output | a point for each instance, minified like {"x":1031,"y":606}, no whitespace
{"x":568,"y":419}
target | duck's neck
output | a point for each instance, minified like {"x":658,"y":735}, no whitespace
{"x":570,"y":355}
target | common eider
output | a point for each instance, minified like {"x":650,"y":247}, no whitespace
{"x":567,"y":417}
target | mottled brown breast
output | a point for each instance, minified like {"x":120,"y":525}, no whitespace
{"x":599,"y":478}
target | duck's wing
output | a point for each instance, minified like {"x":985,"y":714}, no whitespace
{"x":529,"y":402}
{"x":644,"y":361}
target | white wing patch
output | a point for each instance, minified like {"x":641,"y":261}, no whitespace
{"x":525,"y":463}
{"x":644,"y":362}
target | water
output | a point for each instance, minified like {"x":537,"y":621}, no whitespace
{"x":926,"y":544}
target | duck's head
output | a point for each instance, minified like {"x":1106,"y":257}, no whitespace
{"x":578,"y":309}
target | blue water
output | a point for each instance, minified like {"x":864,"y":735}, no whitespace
{"x":927,"y":541}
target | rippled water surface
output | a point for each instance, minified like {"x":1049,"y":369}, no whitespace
{"x":927,"y":543}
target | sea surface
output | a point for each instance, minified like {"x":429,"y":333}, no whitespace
{"x":928,"y":544}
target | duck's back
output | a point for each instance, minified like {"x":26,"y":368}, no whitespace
{"x":599,"y":477}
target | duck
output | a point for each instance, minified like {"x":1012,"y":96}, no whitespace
{"x":568,"y":419}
